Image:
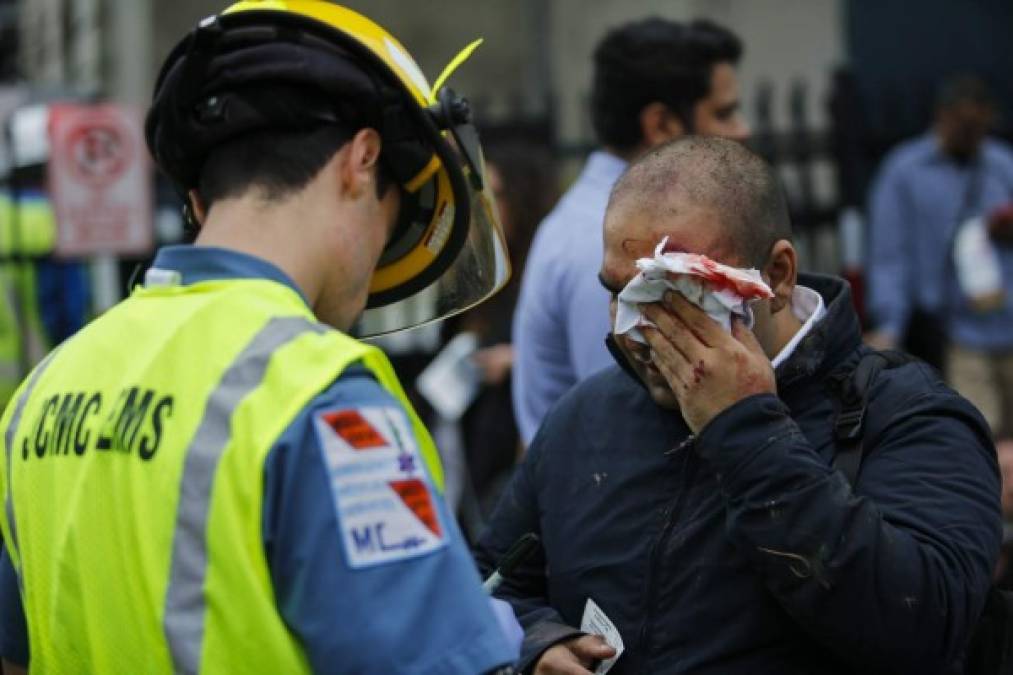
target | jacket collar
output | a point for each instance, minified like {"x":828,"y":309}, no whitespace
{"x":831,"y":340}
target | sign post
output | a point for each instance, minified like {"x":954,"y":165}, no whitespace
{"x":99,"y":180}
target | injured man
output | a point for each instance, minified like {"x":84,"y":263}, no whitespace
{"x":690,"y":516}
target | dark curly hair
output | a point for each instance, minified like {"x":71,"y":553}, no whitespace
{"x":654,"y":60}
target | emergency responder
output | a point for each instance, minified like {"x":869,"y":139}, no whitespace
{"x":208,"y":479}
{"x":27,"y":233}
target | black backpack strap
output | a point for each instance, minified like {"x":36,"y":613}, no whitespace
{"x":853,"y":388}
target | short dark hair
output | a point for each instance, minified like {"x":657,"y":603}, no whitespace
{"x":718,"y":174}
{"x":276,"y":162}
{"x":654,"y":60}
{"x":963,"y":88}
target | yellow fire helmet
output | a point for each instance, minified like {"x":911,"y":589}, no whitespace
{"x":327,"y":64}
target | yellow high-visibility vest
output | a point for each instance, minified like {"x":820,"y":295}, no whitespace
{"x":134,"y":478}
{"x":27,"y":225}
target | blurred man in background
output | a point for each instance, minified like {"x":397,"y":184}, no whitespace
{"x":654,"y":81}
{"x":921,"y":297}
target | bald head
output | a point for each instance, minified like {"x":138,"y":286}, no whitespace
{"x":714,"y":175}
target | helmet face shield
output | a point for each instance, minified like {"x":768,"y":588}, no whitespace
{"x":462,"y":259}
{"x":437,"y":219}
{"x":480,"y":269}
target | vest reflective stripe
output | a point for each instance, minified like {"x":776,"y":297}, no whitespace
{"x":184,"y":607}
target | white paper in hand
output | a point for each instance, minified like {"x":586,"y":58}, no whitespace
{"x":979,"y":271}
{"x":719,"y":290}
{"x":596,"y":622}
{"x":451,"y":381}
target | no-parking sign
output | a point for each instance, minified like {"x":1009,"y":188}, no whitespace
{"x":99,"y":180}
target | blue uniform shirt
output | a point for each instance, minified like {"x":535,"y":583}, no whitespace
{"x":421,"y":614}
{"x":916,"y":202}
{"x":562,"y":315}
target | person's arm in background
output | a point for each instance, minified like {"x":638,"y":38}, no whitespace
{"x":1000,"y":219}
{"x":13,"y":629}
{"x":403,"y":608}
{"x":889,"y":256}
{"x":890,"y":575}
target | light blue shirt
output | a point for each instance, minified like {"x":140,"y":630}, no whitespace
{"x":916,"y":202}
{"x":562,"y":316}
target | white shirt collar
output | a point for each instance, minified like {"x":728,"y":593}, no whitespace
{"x":808,"y":307}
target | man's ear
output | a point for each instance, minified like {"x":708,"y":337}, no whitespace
{"x":781,"y":271}
{"x":357,"y":162}
{"x":197,"y":206}
{"x":659,"y":125}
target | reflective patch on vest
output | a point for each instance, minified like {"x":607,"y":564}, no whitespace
{"x":385,"y":504}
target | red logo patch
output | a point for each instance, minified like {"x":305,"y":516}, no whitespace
{"x":414,"y":493}
{"x":355,"y":429}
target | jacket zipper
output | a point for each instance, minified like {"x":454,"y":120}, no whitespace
{"x":670,"y":516}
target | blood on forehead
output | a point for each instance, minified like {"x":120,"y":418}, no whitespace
{"x":721,"y":249}
{"x":633,"y":231}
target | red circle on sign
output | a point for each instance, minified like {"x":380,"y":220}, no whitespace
{"x":98,"y":153}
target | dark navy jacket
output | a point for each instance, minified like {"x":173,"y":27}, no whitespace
{"x":742,"y":550}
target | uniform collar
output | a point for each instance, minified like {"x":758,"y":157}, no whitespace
{"x":194,"y":264}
